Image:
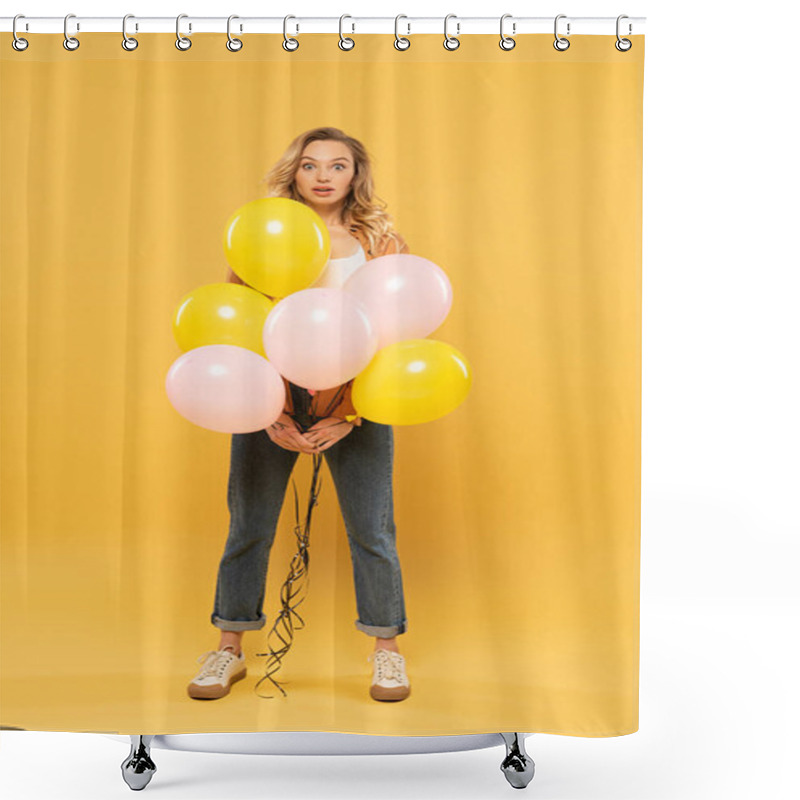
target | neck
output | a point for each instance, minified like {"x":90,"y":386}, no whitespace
{"x":330,"y":215}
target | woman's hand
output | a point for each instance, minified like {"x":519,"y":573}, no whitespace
{"x":284,"y":432}
{"x":327,"y":432}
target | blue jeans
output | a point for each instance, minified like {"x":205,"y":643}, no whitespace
{"x":361,"y":467}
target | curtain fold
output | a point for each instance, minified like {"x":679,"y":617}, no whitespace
{"x":517,"y":514}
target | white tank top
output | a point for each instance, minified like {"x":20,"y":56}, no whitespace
{"x":338,"y":270}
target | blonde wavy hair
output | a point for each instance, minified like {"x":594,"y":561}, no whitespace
{"x":363,"y":210}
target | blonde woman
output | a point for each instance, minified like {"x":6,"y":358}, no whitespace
{"x":330,"y":172}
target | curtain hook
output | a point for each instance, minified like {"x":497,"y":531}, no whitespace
{"x":18,"y":43}
{"x":623,"y":48}
{"x":451,"y":42}
{"x":345,"y":42}
{"x":234,"y":45}
{"x":560,"y":42}
{"x":287,"y":39}
{"x":506,"y":42}
{"x":182,"y":42}
{"x":70,"y":42}
{"x":128,"y":42}
{"x":400,"y":42}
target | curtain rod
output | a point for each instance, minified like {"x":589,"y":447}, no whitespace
{"x":407,"y":26}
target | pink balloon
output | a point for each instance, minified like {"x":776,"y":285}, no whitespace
{"x":226,"y":388}
{"x":319,"y":338}
{"x":405,"y":296}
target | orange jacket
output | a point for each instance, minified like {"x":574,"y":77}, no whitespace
{"x":326,"y":399}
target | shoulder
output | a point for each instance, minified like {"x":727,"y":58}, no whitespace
{"x":393,"y":243}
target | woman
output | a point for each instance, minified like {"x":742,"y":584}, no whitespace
{"x":330,"y":172}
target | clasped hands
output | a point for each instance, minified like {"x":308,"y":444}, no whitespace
{"x":316,"y":439}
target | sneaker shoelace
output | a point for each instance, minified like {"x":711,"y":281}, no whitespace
{"x":389,"y":665}
{"x":216,"y":662}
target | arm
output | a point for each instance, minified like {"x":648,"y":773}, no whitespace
{"x":232,"y":277}
{"x":344,"y":409}
{"x":285,"y":418}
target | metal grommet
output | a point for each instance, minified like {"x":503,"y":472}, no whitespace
{"x":182,"y":42}
{"x":18,"y":43}
{"x":345,"y":42}
{"x":623,"y":45}
{"x":451,"y":42}
{"x":561,"y":44}
{"x":128,"y":42}
{"x":70,"y":42}
{"x":234,"y":45}
{"x":506,"y":42}
{"x":288,"y":43}
{"x":401,"y":43}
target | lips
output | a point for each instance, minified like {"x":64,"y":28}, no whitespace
{"x":321,"y":190}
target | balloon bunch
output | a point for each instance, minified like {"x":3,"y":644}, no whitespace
{"x":239,"y":343}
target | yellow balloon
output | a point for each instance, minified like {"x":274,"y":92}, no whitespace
{"x":222,"y":313}
{"x":414,"y":381}
{"x":277,"y":245}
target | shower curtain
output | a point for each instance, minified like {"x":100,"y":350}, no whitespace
{"x":496,"y":536}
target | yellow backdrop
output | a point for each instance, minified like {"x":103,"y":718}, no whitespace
{"x":518,"y":515}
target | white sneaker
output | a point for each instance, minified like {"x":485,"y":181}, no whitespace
{"x":221,"y":669}
{"x":389,"y":681}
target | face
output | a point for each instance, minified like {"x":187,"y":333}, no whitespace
{"x":325,"y":164}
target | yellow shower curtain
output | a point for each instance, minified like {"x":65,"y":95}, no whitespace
{"x":518,"y":514}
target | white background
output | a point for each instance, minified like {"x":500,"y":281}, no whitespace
{"x":719,"y":621}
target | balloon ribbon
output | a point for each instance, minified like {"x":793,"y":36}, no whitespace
{"x":283,"y":628}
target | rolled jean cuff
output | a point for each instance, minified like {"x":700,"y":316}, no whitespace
{"x":238,"y":625}
{"x":383,"y":631}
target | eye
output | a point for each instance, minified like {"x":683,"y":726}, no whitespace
{"x":307,"y":164}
